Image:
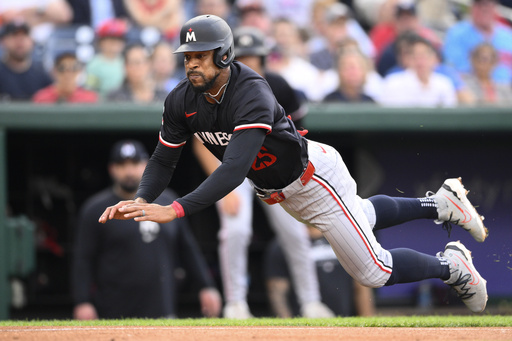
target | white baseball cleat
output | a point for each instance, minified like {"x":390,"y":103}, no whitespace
{"x":316,"y":309}
{"x":237,"y":310}
{"x":454,"y":207}
{"x":464,"y":278}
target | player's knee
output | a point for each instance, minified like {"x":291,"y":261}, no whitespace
{"x":373,"y":282}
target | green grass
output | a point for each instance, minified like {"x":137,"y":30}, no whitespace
{"x":395,"y":321}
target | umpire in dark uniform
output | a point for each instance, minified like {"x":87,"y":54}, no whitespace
{"x":127,"y":268}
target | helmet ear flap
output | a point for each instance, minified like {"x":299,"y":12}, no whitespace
{"x":219,"y":59}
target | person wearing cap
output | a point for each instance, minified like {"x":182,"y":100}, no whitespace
{"x":482,"y":26}
{"x":383,"y":35}
{"x":125,"y":268}
{"x":65,"y":88}
{"x":20,"y":76}
{"x":105,"y":71}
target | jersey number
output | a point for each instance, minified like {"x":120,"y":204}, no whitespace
{"x":263,"y":160}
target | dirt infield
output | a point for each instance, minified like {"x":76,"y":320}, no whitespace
{"x":250,"y":333}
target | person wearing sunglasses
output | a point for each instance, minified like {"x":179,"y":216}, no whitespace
{"x":65,"y":88}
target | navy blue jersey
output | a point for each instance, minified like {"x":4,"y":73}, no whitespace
{"x":225,"y":129}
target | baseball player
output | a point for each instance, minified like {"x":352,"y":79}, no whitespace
{"x":232,"y":110}
{"x":235,"y":210}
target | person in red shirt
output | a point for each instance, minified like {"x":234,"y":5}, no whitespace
{"x":65,"y":88}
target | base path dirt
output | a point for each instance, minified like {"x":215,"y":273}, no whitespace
{"x":119,"y":333}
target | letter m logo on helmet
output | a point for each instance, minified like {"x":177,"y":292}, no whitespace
{"x":208,"y":33}
{"x":191,"y":35}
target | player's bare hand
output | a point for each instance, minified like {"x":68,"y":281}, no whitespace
{"x":112,"y":212}
{"x":211,"y":302}
{"x":230,"y":204}
{"x":149,"y":212}
{"x":85,"y":311}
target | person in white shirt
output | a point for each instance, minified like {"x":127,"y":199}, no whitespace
{"x":288,"y":58}
{"x":419,"y":85}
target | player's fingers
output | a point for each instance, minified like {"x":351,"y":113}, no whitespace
{"x":103,"y":217}
{"x":141,"y":215}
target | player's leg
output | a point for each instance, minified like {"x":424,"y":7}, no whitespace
{"x":329,"y":202}
{"x":234,"y":239}
{"x":449,"y":205}
{"x":296,"y":245}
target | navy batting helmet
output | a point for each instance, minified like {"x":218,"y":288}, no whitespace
{"x":205,"y":33}
{"x":249,"y":41}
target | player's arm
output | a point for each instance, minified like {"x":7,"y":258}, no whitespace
{"x":158,"y":172}
{"x":238,"y":158}
{"x":230,"y":204}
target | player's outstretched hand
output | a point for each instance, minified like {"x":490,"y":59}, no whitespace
{"x":148,"y":212}
{"x":211,"y":302}
{"x":112,"y":212}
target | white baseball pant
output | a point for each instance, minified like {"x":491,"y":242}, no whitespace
{"x":329,"y":202}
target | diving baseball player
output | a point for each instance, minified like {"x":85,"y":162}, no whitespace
{"x":232,"y":110}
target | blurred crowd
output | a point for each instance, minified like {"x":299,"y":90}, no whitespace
{"x":428,"y":53}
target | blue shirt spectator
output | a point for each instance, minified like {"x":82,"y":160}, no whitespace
{"x":463,"y":37}
{"x":20,"y":76}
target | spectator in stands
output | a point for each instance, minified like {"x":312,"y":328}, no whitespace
{"x":403,"y":46}
{"x":252,"y":13}
{"x":318,"y":29}
{"x":484,"y":59}
{"x":164,"y":66}
{"x":166,"y":15}
{"x":298,"y":12}
{"x":352,"y":67}
{"x":419,"y":85}
{"x":220,"y":8}
{"x":40,"y":15}
{"x":105,"y":71}
{"x":384,"y":35}
{"x":339,"y":25}
{"x":65,"y":88}
{"x":343,"y":295}
{"x":250,"y":49}
{"x":139,"y":85}
{"x":128,"y":269}
{"x":483,"y":26}
{"x":439,"y":15}
{"x":287,"y":59}
{"x":20,"y":76}
{"x":95,"y":13}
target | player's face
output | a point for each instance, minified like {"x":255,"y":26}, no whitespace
{"x":201,"y":70}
